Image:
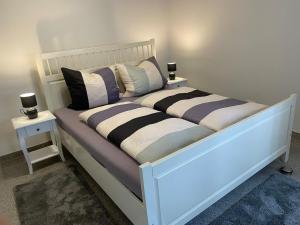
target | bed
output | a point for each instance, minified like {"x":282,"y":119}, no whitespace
{"x":179,"y":186}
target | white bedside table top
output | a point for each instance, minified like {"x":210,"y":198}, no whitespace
{"x":23,"y":121}
{"x":177,"y":79}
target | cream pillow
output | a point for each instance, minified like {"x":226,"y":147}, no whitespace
{"x":141,"y":79}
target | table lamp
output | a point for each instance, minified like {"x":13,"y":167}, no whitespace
{"x":172,"y":69}
{"x":29,"y":104}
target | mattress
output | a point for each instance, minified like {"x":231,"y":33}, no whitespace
{"x":117,"y":162}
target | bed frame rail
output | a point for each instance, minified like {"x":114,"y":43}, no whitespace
{"x":183,"y":184}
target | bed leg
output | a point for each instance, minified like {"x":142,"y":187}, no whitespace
{"x":285,"y":157}
{"x":287,"y":170}
{"x":149,"y":198}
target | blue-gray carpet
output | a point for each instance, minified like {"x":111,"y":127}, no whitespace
{"x":65,"y":198}
{"x":276,"y":202}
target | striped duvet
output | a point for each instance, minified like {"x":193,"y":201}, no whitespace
{"x":143,"y":133}
{"x":213,"y":111}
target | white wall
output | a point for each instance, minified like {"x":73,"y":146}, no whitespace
{"x":241,"y":48}
{"x":28,"y":27}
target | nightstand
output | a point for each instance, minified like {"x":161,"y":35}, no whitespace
{"x":178,"y":82}
{"x":45,"y":122}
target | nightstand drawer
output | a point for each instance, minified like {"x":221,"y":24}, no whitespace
{"x":38,"y":128}
{"x":181,"y":84}
{"x":176,"y":85}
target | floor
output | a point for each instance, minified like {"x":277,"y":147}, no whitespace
{"x":13,"y":171}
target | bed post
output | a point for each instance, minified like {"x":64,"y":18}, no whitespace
{"x":149,"y":196}
{"x":42,"y":75}
{"x":285,"y":157}
{"x":152,"y":42}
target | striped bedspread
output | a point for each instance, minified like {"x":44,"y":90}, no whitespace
{"x":143,"y":133}
{"x":213,"y":111}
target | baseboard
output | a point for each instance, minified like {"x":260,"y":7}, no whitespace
{"x":19,"y":153}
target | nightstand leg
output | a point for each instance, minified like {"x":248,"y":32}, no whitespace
{"x":25,"y":152}
{"x":57,"y":141}
{"x":53,"y":138}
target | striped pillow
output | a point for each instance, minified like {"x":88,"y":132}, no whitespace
{"x":143,"y":78}
{"x":89,"y":90}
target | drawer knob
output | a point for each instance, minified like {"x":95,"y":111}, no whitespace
{"x":38,"y":129}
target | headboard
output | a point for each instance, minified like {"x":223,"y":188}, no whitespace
{"x":49,"y":64}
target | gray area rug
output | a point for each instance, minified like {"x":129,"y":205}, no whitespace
{"x":59,"y":199}
{"x":276,"y":202}
{"x":65,"y":198}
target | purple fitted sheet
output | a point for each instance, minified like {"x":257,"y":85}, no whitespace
{"x":117,"y":162}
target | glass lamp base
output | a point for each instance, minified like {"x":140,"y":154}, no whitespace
{"x":31,"y":113}
{"x":172,"y":76}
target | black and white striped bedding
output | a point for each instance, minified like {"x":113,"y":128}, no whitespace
{"x":143,"y":133}
{"x":213,"y":111}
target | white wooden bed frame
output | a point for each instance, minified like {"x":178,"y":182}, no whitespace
{"x":181,"y":185}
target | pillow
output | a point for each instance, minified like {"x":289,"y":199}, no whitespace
{"x":141,"y":79}
{"x":89,"y":90}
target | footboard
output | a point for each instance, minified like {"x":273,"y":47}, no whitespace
{"x":183,"y":184}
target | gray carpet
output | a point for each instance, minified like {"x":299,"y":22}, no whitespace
{"x":59,"y":199}
{"x":64,"y":198}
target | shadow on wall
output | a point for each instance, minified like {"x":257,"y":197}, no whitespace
{"x":37,"y":85}
{"x":76,"y":28}
{"x":80,"y":27}
{"x":101,"y":22}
